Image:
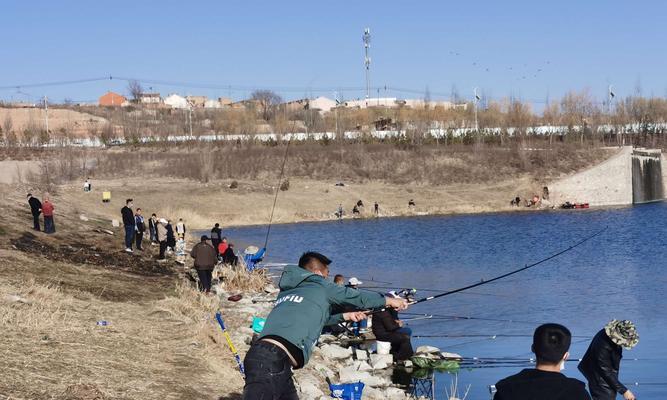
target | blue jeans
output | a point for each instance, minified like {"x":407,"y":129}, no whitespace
{"x":129,"y":236}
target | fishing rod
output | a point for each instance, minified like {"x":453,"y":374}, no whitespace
{"x":218,"y":317}
{"x":516,"y":271}
{"x":275,"y":198}
{"x":481,"y":335}
{"x":459,"y":318}
{"x":427,"y":290}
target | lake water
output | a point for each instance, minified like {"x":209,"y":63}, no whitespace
{"x":619,"y":274}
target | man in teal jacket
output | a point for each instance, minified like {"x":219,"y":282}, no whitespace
{"x":294,"y":325}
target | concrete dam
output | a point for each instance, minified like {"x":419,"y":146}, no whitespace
{"x":631,"y":176}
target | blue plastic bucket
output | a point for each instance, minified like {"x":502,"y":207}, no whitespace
{"x":347,"y":391}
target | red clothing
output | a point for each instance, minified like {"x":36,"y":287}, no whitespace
{"x":222,"y":247}
{"x":47,"y":209}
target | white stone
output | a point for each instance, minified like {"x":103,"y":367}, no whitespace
{"x":407,"y":363}
{"x":362,"y":365}
{"x":427,"y":350}
{"x":115,"y":223}
{"x":271,"y":289}
{"x":381,"y":361}
{"x":309,"y":389}
{"x":83,"y":217}
{"x":350,"y":374}
{"x":333,"y":351}
{"x":327,"y":338}
{"x":361,"y":354}
{"x":372,"y":393}
{"x":394,"y":393}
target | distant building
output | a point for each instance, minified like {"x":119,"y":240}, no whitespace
{"x":176,"y":101}
{"x":212,"y":103}
{"x":111,"y":99}
{"x":224,"y":101}
{"x":197,"y":101}
{"x":323,"y":104}
{"x":150,"y":98}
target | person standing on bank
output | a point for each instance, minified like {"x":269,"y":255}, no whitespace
{"x":551,"y":343}
{"x":205,"y":260}
{"x":161,"y":233}
{"x":140,"y":228}
{"x":295,"y":323}
{"x":602,"y":360}
{"x":216,"y":237}
{"x":47,"y":210}
{"x":152,"y":228}
{"x":129,"y":223}
{"x":180,"y":229}
{"x":35,"y":210}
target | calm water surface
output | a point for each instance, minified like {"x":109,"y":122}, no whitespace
{"x":619,"y":274}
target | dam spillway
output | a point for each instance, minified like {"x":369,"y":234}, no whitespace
{"x":647,"y":184}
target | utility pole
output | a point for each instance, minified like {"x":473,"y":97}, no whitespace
{"x":46,"y":114}
{"x":367,"y":62}
{"x":475,"y":101}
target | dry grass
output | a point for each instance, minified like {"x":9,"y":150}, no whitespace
{"x":238,"y":279}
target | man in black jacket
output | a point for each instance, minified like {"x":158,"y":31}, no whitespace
{"x":602,"y":360}
{"x":388,"y":328}
{"x":129,"y":223}
{"x":216,"y":236}
{"x":551,"y":343}
{"x":35,"y":210}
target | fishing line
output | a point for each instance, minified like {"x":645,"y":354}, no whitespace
{"x":484,"y":282}
{"x":458,"y":318}
{"x":473,"y":335}
{"x":275,"y":199}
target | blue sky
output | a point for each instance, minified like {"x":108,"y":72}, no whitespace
{"x":532,"y":49}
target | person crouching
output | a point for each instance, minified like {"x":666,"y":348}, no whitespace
{"x":387,"y":327}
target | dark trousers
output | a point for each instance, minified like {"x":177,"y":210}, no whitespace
{"x":401,"y":348}
{"x":216,"y":242}
{"x":601,"y":392}
{"x":268,"y":374}
{"x":129,"y":236}
{"x":138,"y":238}
{"x":205,"y":276}
{"x":163,"y":248}
{"x":49,"y":225}
{"x":35,"y":222}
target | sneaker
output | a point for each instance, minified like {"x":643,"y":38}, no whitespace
{"x":129,"y":250}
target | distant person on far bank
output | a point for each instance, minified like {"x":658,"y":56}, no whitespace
{"x":551,"y":343}
{"x":602,"y":360}
{"x":129,"y":223}
{"x":152,"y":229}
{"x":376,"y":208}
{"x":180,"y":229}
{"x":87,"y":186}
{"x":47,"y":210}
{"x":139,"y":228}
{"x":205,"y":260}
{"x":35,"y":210}
{"x":216,"y":237}
{"x":411,"y":203}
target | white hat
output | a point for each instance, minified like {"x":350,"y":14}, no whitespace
{"x":354,"y":281}
{"x":392,"y":294}
{"x":251,"y":250}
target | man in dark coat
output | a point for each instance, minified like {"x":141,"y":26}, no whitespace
{"x":129,"y":223}
{"x":35,"y":210}
{"x":216,"y":236}
{"x":551,"y":343}
{"x":388,"y":328}
{"x":602,"y":360}
{"x":205,"y":260}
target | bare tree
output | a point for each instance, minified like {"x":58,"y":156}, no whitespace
{"x":135,"y":89}
{"x":267,"y":100}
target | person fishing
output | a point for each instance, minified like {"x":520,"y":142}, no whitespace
{"x":551,"y":344}
{"x":602,"y":361}
{"x":294,"y":325}
{"x":387,"y":327}
{"x":252,"y":256}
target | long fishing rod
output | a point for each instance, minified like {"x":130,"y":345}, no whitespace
{"x":459,"y":318}
{"x":275,"y":198}
{"x":481,"y":335}
{"x":516,"y":271}
{"x":427,"y":290}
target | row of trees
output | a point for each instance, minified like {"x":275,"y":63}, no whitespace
{"x":575,"y":117}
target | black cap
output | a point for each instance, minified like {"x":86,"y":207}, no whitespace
{"x":551,"y":342}
{"x":204,"y":238}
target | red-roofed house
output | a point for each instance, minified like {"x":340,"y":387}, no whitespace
{"x":111,"y":99}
